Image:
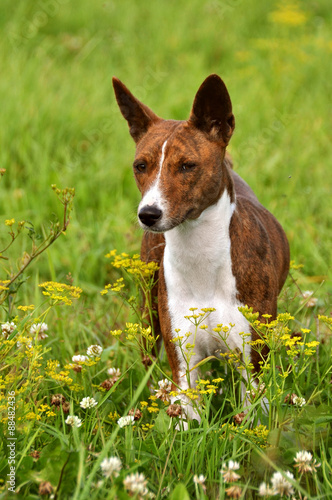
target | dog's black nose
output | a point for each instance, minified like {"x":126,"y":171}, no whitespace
{"x":149,"y":215}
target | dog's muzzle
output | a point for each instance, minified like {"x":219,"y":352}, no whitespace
{"x":149,"y":215}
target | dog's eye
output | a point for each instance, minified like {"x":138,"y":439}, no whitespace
{"x":140,"y":167}
{"x":188,"y":166}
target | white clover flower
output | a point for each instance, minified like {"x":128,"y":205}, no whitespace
{"x":298,"y":401}
{"x":136,"y":484}
{"x":304,"y":462}
{"x":303,"y":456}
{"x":281,"y":485}
{"x":73,"y":420}
{"x":308,"y":300}
{"x":94,"y":351}
{"x":7,"y":328}
{"x":265,"y":490}
{"x":79,"y":358}
{"x":124,"y":421}
{"x":228,"y":473}
{"x":111,"y":466}
{"x":165,"y":387}
{"x":199,"y":479}
{"x":114,"y":372}
{"x":41,"y":329}
{"x":88,"y":403}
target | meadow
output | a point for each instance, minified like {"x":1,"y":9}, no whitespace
{"x":80,"y":416}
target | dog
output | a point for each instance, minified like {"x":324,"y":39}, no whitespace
{"x":216,"y":245}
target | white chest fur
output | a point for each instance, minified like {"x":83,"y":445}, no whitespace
{"x":198,"y":273}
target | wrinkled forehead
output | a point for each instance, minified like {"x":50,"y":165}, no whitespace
{"x":181,"y":136}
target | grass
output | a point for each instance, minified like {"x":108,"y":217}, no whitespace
{"x":60,"y":125}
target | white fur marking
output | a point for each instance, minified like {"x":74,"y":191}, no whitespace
{"x":198,"y":273}
{"x":154,"y":196}
{"x":162,"y":158}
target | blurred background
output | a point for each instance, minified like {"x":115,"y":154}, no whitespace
{"x":59,"y":123}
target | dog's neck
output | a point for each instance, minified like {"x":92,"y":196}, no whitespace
{"x":199,"y":250}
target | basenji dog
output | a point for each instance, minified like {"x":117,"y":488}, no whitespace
{"x":216,"y":245}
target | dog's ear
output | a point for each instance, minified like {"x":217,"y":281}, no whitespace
{"x":138,"y":116}
{"x":212,"y":110}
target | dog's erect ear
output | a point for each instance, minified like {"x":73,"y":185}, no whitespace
{"x":212,"y":110}
{"x":138,"y":116}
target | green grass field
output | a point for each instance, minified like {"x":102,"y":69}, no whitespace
{"x":59,"y":124}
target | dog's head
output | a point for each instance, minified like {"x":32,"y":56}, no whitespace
{"x":178,"y":165}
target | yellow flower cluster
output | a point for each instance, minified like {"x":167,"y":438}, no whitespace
{"x":26,"y":308}
{"x":272,"y":333}
{"x":196,"y":318}
{"x":9,"y":222}
{"x":116,"y":287}
{"x":191,"y":393}
{"x":294,"y":266}
{"x":326,"y":319}
{"x":153,"y":408}
{"x":47,"y":410}
{"x":76,"y":387}
{"x":134,"y":332}
{"x":32,"y":416}
{"x":258,"y":435}
{"x":221,"y":328}
{"x":62,"y":376}
{"x":202,"y":387}
{"x":147,"y":427}
{"x":113,"y":416}
{"x":289,"y":14}
{"x":3,"y":284}
{"x":133,"y":265}
{"x":60,"y":292}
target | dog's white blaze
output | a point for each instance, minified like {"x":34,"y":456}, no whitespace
{"x":198,"y":273}
{"x":154,"y":196}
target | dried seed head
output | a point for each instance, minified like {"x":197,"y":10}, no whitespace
{"x":45,"y":488}
{"x":234,"y":492}
{"x":107,"y":384}
{"x":290,"y":398}
{"x":66,"y":407}
{"x":174,"y":411}
{"x":35,"y":454}
{"x":57,"y":399}
{"x":137,"y":414}
{"x":238,"y":419}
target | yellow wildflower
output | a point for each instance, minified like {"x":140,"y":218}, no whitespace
{"x":26,"y":308}
{"x":113,"y":416}
{"x":289,"y":14}
{"x":60,"y":292}
{"x":32,"y":416}
{"x":153,"y":409}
